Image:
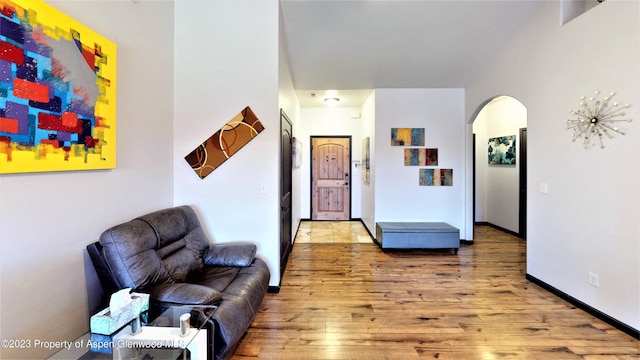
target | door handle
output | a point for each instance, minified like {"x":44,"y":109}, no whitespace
{"x":284,"y":208}
{"x":346,"y":178}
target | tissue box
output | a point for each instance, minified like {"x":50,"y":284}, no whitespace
{"x":106,"y":323}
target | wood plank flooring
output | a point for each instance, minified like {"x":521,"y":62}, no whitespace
{"x":353,"y":301}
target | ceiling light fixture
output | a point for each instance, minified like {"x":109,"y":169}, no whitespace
{"x":331,"y":101}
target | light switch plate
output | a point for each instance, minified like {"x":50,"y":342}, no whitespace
{"x":543,"y":188}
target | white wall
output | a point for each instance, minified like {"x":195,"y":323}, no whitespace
{"x":367,"y":191}
{"x":47,"y":219}
{"x":398,"y":196}
{"x":226,"y":58}
{"x":288,"y":102}
{"x":589,"y":219}
{"x":329,"y":121}
{"x":497,"y":186}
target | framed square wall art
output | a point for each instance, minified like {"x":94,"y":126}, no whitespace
{"x":57,"y":92}
{"x":502,"y":150}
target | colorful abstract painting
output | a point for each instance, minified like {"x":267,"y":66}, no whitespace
{"x":420,"y":157}
{"x":224,"y":143}
{"x":436,"y":177}
{"x":407,"y":137}
{"x":502,"y":150}
{"x":57,"y":92}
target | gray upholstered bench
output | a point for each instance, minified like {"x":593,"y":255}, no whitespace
{"x":417,"y":235}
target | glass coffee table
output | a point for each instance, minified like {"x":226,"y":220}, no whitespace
{"x":159,"y":338}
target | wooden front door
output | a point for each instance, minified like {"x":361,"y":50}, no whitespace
{"x":330,"y":178}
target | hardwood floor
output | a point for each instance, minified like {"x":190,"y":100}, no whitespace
{"x":353,"y":301}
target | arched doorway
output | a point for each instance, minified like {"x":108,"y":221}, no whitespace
{"x":500,"y":164}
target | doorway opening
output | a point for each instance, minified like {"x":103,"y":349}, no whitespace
{"x":331,"y":178}
{"x":522,"y":184}
{"x":500,"y":187}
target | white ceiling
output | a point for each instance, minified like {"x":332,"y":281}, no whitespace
{"x":348,"y":98}
{"x":369,"y":44}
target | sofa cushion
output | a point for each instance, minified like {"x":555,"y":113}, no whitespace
{"x":161,"y":247}
{"x":181,"y":241}
{"x":217,"y":278}
{"x":230,"y":255}
{"x":130,"y":251}
{"x":184,"y":293}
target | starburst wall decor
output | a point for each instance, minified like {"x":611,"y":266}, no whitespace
{"x":595,"y":119}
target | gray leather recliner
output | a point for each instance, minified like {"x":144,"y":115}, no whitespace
{"x":167,"y":254}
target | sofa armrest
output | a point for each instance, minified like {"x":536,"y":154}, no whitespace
{"x":240,"y":255}
{"x":184,"y":293}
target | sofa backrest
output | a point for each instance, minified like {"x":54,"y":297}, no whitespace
{"x":161,"y":247}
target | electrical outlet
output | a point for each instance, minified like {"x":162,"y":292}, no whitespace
{"x":594,"y":279}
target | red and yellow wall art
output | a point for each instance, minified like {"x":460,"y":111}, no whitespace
{"x":57,"y":92}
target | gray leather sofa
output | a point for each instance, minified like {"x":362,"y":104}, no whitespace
{"x":167,"y":254}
